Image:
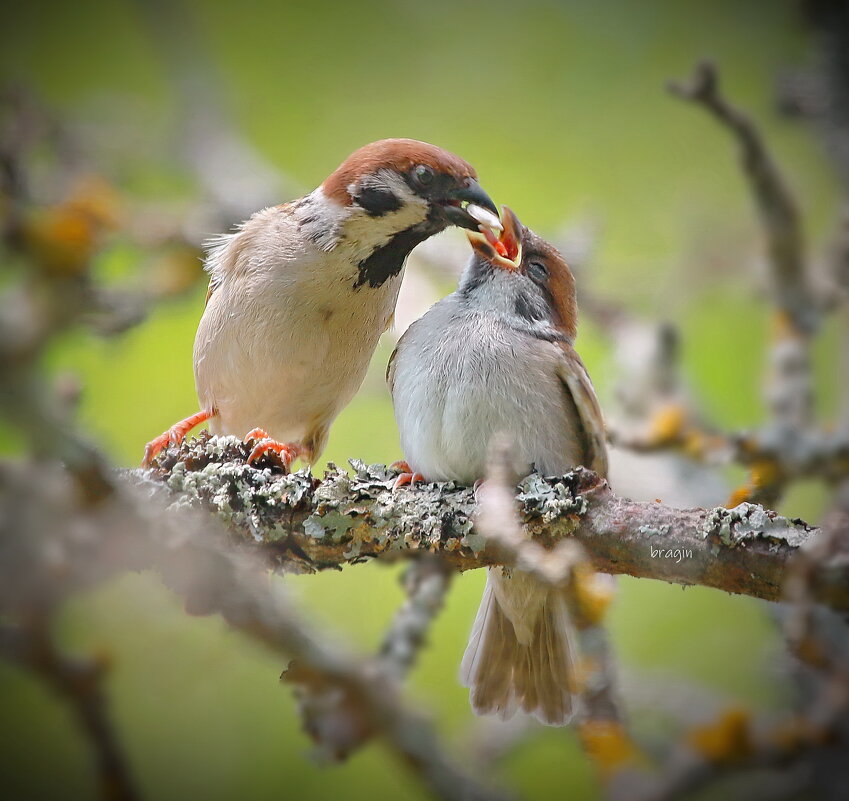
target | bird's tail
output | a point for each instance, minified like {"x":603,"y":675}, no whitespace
{"x":519,"y":656}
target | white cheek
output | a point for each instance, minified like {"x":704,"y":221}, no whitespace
{"x":365,"y":233}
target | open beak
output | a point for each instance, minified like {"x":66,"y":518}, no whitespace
{"x":503,"y":251}
{"x":471,"y":208}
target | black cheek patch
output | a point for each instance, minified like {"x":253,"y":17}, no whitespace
{"x":388,"y":260}
{"x":377,"y":202}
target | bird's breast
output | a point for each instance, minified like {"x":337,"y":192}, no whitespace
{"x":286,"y":352}
{"x":461,"y":380}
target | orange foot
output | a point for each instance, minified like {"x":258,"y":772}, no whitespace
{"x":173,"y":436}
{"x":407,"y":475}
{"x":287,"y":451}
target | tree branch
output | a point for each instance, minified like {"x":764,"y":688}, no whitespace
{"x":777,"y":207}
{"x":305,"y":525}
{"x":80,"y":683}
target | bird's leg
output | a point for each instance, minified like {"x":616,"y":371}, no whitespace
{"x":406,"y":475}
{"x":287,"y":451}
{"x":174,"y":435}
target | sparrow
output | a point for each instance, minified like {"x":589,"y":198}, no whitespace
{"x":497,"y":357}
{"x":300,"y":294}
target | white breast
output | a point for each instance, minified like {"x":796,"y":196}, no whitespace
{"x":461,"y":377}
{"x":286,"y":339}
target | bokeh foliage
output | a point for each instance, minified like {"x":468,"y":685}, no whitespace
{"x":560,"y":105}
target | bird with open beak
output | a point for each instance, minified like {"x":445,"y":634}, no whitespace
{"x":497,"y":357}
{"x":301,"y":293}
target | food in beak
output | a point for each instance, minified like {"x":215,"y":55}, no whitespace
{"x":488,"y":221}
{"x":507,"y":245}
{"x":488,"y":224}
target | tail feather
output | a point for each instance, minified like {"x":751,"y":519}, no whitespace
{"x":505,"y":674}
{"x":491,"y":691}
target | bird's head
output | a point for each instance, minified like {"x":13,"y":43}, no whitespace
{"x":396,"y":193}
{"x":522,"y":277}
{"x":413,"y":179}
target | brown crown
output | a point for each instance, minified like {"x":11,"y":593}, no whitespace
{"x":396,"y":154}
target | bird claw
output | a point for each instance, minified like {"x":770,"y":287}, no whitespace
{"x":157,"y":445}
{"x":173,"y":436}
{"x":286,"y":452}
{"x":406,"y":477}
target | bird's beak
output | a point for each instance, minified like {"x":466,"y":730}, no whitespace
{"x":504,"y":251}
{"x":468,"y":206}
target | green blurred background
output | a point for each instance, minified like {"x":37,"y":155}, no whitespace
{"x":561,"y":107}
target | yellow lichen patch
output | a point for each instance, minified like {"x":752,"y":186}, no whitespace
{"x":696,"y":443}
{"x":60,"y":240}
{"x":607,"y":743}
{"x":63,"y":238}
{"x":591,"y":595}
{"x":765,"y":473}
{"x":740,"y":495}
{"x":96,"y":199}
{"x":728,"y":739}
{"x":667,"y":424}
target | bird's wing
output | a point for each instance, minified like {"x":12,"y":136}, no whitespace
{"x":581,"y":395}
{"x":390,"y":367}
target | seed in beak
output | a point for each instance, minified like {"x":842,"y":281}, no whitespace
{"x":485,"y":217}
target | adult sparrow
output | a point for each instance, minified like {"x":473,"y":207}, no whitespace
{"x":301,"y":292}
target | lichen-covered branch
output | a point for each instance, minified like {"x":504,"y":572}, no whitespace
{"x":305,"y":525}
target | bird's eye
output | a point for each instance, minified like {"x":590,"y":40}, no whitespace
{"x":538,"y":271}
{"x":423,"y":174}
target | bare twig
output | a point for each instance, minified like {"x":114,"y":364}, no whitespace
{"x":80,"y":683}
{"x":426,"y":581}
{"x":776,"y":205}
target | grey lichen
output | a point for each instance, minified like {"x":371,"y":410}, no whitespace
{"x":357,"y":509}
{"x":654,"y":531}
{"x":211,"y":471}
{"x":391,"y":520}
{"x":550,"y":499}
{"x":748,"y":522}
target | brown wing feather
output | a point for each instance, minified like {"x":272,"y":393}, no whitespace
{"x":390,"y":367}
{"x":580,"y":392}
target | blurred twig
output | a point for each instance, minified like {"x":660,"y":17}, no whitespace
{"x":789,"y":446}
{"x":426,"y":582}
{"x":776,"y":205}
{"x":79,"y":682}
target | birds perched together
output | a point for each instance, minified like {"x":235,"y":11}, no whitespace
{"x":298,"y":298}
{"x":301,"y":293}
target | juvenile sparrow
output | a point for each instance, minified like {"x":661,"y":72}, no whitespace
{"x":300,"y":294}
{"x":497,"y":356}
